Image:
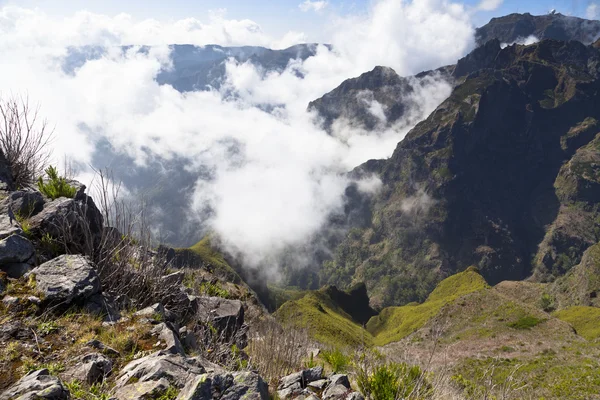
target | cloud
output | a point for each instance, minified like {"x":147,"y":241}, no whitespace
{"x":531,"y":39}
{"x":489,"y":5}
{"x":591,"y":12}
{"x":274,"y":177}
{"x":316,"y":6}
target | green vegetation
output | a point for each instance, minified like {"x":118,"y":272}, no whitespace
{"x":547,"y":302}
{"x":211,"y":289}
{"x":203,"y":253}
{"x":395,"y":323}
{"x":393,"y":381}
{"x":81,"y":391}
{"x":526,"y":322}
{"x":56,"y":186}
{"x":585,"y":320}
{"x":337,"y":359}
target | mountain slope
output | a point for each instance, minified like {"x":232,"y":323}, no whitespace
{"x":474,"y":184}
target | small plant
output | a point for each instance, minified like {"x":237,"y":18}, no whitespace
{"x":547,"y":303}
{"x":336,"y":359}
{"x":393,"y":381}
{"x":56,"y":186}
{"x":310,"y":363}
{"x":46,"y":328}
{"x":526,"y":322}
{"x":50,"y":245}
{"x":169,"y":394}
{"x":212,"y":289}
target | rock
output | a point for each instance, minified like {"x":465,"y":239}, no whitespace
{"x":313,"y":374}
{"x":335,"y":392}
{"x":66,"y":279}
{"x":34,"y":300}
{"x":310,"y":396}
{"x":355,"y":396}
{"x":188,"y":339}
{"x":23,"y":203}
{"x":104,"y":305}
{"x":226,"y":386}
{"x":91,"y":368}
{"x":169,"y":337}
{"x":177,"y":369}
{"x":8,"y":226}
{"x":2,"y":287}
{"x":318,"y":385}
{"x":340,"y":379}
{"x":10,"y":301}
{"x":142,"y":390}
{"x":6,"y":181}
{"x":293,"y":380}
{"x":225,"y":315}
{"x":15,"y":249}
{"x":156,"y":312}
{"x":176,"y":278}
{"x":37,"y":385}
{"x":290,"y":392}
{"x":16,"y":271}
{"x":98,"y":345}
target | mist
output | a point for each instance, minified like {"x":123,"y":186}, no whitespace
{"x":267,"y":176}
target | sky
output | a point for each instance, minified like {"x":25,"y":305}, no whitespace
{"x":277,"y":17}
{"x":275,"y":174}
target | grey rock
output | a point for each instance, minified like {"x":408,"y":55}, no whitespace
{"x":9,"y":226}
{"x":142,"y":390}
{"x":177,"y":369}
{"x":104,"y":305}
{"x":98,"y":345}
{"x":15,"y":249}
{"x":226,"y":386}
{"x":154,"y":311}
{"x":16,"y":271}
{"x":23,"y":203}
{"x":188,"y":339}
{"x":313,"y":374}
{"x":169,"y":337}
{"x":34,"y":300}
{"x":37,"y":385}
{"x":310,"y":396}
{"x":176,"y":278}
{"x":91,"y":368}
{"x":340,"y":379}
{"x":318,"y":385}
{"x":66,"y":279}
{"x":6,"y":181}
{"x":334,"y":392}
{"x":355,"y":396}
{"x":296,"y":378}
{"x":290,"y":392}
{"x":225,"y":315}
{"x":10,"y":301}
{"x":2,"y":287}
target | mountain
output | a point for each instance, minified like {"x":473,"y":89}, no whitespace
{"x":501,"y":175}
{"x":201,"y":67}
{"x":514,"y":27}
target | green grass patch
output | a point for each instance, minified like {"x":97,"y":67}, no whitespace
{"x":526,"y":322}
{"x":395,"y":323}
{"x":204,"y":252}
{"x":585,"y":320}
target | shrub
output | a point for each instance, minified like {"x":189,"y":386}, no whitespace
{"x":336,"y":359}
{"x":24,"y":139}
{"x":56,"y":186}
{"x":395,"y":381}
{"x":547,"y":303}
{"x":526,"y":322}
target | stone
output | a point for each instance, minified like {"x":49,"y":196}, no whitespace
{"x":10,"y":301}
{"x":177,"y":369}
{"x":169,"y":337}
{"x":188,"y":339}
{"x":295,"y":379}
{"x":225,"y":315}
{"x":335,"y":391}
{"x":37,"y":385}
{"x":228,"y":386}
{"x":176,"y":278}
{"x":16,"y":271}
{"x":290,"y":392}
{"x":66,"y":279}
{"x":340,"y":379}
{"x":15,"y":249}
{"x":2,"y":287}
{"x":34,"y":300}
{"x":98,"y":345}
{"x":6,"y":181}
{"x":103,"y":305}
{"x":23,"y":203}
{"x":310,"y":396}
{"x":156,"y":312}
{"x":313,"y":374}
{"x":91,"y":368}
{"x":9,"y":226}
{"x":318,"y":385}
{"x":142,"y":390}
{"x":355,"y":396}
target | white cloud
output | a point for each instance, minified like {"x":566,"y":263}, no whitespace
{"x":489,"y":5}
{"x":591,"y":12}
{"x":286,"y":175}
{"x":316,"y":6}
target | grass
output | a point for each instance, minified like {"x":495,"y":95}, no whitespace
{"x":324,"y":319}
{"x":585,"y":320}
{"x":204,"y":252}
{"x":395,"y":323}
{"x":337,"y":360}
{"x":526,"y":322}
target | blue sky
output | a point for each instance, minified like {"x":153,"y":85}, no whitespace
{"x":274,"y":16}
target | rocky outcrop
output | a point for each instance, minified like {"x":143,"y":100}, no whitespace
{"x":66,"y":279}
{"x":225,"y":386}
{"x":6,"y":182}
{"x":91,"y":368}
{"x":37,"y":385}
{"x":309,"y":384}
{"x":225,"y":315}
{"x":15,"y":249}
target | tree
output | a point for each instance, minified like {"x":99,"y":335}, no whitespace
{"x":24,"y":139}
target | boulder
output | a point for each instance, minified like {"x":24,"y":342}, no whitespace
{"x":313,"y":374}
{"x":23,"y":203}
{"x":188,"y":339}
{"x":226,"y":386}
{"x":103,"y":305}
{"x":175,"y":368}
{"x":335,"y":392}
{"x":6,"y":181}
{"x":340,"y":379}
{"x":318,"y":385}
{"x":142,"y":390}
{"x":15,"y":249}
{"x":156,"y":312}
{"x":174,"y":279}
{"x":9,"y":226}
{"x":225,"y":315}
{"x":293,"y":380}
{"x":169,"y":337}
{"x":91,"y":368}
{"x":98,"y":345}
{"x":355,"y":396}
{"x":17,"y":270}
{"x":37,"y":385}
{"x":66,"y":279}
